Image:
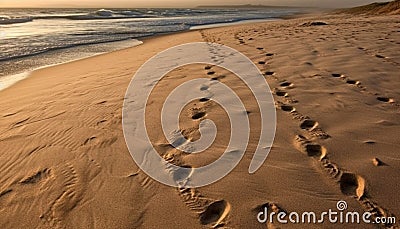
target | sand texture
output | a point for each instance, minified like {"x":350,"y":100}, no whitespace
{"x":64,"y":162}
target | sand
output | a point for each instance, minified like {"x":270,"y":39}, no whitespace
{"x":64,"y":162}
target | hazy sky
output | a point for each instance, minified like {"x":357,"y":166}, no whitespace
{"x":178,"y":3}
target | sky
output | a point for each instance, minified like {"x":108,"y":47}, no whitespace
{"x":178,"y":3}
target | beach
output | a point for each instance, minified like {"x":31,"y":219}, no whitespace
{"x":64,"y":162}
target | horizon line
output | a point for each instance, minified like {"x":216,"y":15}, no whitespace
{"x":159,"y":7}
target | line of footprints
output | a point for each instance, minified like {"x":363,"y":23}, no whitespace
{"x":350,"y":184}
{"x":213,"y":213}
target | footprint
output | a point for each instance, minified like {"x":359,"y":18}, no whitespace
{"x":198,"y":115}
{"x":209,"y":211}
{"x":261,"y":62}
{"x":268,"y":73}
{"x":314,"y":150}
{"x":182,"y":174}
{"x":380,"y":56}
{"x":72,"y":195}
{"x":281,"y":93}
{"x":385,"y":99}
{"x":352,"y":185}
{"x":269,"y":54}
{"x":308,"y":124}
{"x":260,"y":48}
{"x":218,"y":77}
{"x":353,"y":82}
{"x":208,"y":67}
{"x":210,"y":73}
{"x":203,"y":100}
{"x":269,"y":208}
{"x":204,"y":88}
{"x":286,"y":84}
{"x":377,"y":162}
{"x":336,"y":75}
{"x":288,"y":108}
{"x":332,"y":169}
{"x":370,"y":142}
{"x":215,"y":213}
{"x":309,"y":148}
{"x":272,"y":207}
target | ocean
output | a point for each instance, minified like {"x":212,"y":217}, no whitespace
{"x":32,"y":38}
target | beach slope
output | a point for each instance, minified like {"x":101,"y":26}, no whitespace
{"x":64,"y":162}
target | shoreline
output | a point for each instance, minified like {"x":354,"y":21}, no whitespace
{"x":9,"y":80}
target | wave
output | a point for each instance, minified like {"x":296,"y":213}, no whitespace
{"x":5,"y":20}
{"x":30,"y":53}
{"x":104,"y":14}
{"x":96,"y":15}
{"x":103,"y":30}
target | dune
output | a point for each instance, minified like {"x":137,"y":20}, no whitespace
{"x":64,"y":162}
{"x":379,"y":8}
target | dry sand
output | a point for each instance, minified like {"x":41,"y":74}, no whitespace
{"x":64,"y":162}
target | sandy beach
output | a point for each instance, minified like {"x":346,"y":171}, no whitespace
{"x":64,"y":162}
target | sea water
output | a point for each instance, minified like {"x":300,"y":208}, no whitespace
{"x":32,"y":38}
